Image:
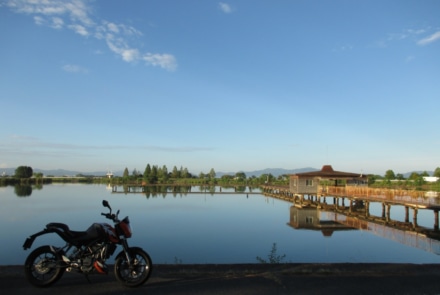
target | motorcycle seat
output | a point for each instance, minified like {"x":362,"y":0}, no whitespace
{"x":74,"y":235}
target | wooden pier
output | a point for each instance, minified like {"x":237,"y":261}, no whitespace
{"x":359,"y":199}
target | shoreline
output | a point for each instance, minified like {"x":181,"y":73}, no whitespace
{"x":285,"y":278}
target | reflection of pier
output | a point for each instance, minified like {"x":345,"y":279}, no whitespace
{"x":342,"y":208}
{"x":154,"y":189}
{"x":410,"y":200}
{"x":313,"y":218}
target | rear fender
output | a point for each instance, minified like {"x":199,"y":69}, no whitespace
{"x":30,"y":240}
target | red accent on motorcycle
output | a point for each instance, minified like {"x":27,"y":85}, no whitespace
{"x":100,"y":267}
{"x":125,"y":227}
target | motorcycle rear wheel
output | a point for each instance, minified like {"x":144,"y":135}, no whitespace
{"x":137,"y":272}
{"x":42,"y":267}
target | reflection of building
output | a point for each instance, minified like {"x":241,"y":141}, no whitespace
{"x":330,"y":220}
{"x":314,"y":219}
{"x":310,"y":182}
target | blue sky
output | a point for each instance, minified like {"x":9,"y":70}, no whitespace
{"x":235,"y":86}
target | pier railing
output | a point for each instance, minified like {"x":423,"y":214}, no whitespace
{"x":383,"y":194}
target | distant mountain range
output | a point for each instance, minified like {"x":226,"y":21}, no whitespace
{"x":274,"y":171}
{"x":62,"y":172}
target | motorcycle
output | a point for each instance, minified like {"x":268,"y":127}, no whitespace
{"x":86,"y":252}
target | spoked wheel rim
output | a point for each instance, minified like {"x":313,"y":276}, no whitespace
{"x":136,"y":270}
{"x":42,"y":267}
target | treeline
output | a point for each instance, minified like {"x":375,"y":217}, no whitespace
{"x":414,"y":181}
{"x":154,"y":174}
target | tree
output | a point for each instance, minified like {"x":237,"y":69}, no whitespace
{"x":240,"y":176}
{"x":185,"y":173}
{"x":400,"y":176}
{"x":414,"y":176}
{"x":162,"y":174}
{"x":175,"y":173}
{"x":153,"y":175}
{"x":126,"y":174}
{"x":226,"y":178}
{"x":147,"y":172}
{"x":23,"y":172}
{"x":266,"y":178}
{"x":437,"y":172}
{"x":371,"y":179}
{"x":389,"y":175}
{"x":212,"y":173}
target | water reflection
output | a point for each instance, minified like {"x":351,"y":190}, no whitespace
{"x":180,"y":190}
{"x":312,"y":218}
{"x":194,"y":225}
{"x":21,"y":190}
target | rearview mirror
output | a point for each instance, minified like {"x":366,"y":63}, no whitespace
{"x":106,"y":204}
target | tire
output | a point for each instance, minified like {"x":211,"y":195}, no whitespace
{"x":42,"y":267}
{"x":139,"y":271}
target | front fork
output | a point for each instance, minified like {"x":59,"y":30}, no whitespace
{"x":126,"y":251}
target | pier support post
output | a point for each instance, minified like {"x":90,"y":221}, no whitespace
{"x":383,"y":210}
{"x":367,"y":209}
{"x":415,"y":218}
{"x":436,"y":219}
{"x":388,"y":208}
{"x":406,"y":214}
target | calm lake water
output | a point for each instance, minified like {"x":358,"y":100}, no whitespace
{"x":199,"y":228}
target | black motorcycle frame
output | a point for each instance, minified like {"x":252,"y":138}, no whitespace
{"x":87,"y":251}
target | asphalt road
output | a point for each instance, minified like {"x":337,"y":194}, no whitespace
{"x":247,"y":279}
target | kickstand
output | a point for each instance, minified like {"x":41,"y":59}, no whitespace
{"x":87,"y":278}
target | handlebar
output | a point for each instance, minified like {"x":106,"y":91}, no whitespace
{"x":110,"y":216}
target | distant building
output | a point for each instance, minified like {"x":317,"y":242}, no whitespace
{"x":430,"y":178}
{"x":109,"y":174}
{"x":310,"y":182}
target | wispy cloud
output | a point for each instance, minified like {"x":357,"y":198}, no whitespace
{"x":405,"y":34}
{"x":409,"y":58}
{"x":411,"y":35}
{"x":75,"y":69}
{"x":77,"y":16}
{"x":27,"y":145}
{"x":179,"y":149}
{"x":428,"y":40}
{"x":166,"y":61}
{"x":225,"y":7}
{"x":342,"y":48}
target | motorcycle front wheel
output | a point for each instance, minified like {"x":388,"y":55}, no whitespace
{"x":42,"y":267}
{"x":136,"y":272}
